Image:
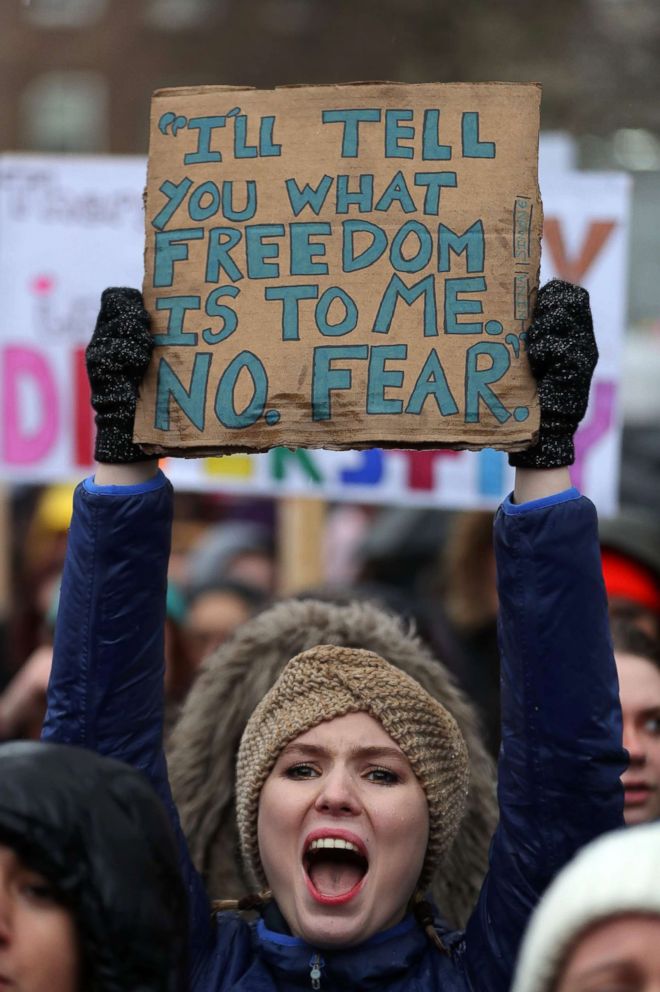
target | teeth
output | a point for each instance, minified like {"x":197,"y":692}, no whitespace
{"x":332,"y":842}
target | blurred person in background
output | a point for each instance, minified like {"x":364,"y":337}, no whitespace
{"x":240,"y":550}
{"x":39,"y":555}
{"x":597,"y":928}
{"x":346,"y":527}
{"x":467,"y":589}
{"x":394,"y":566}
{"x":214,"y":610}
{"x":630,"y":545}
{"x":23,"y":700}
{"x":637,"y":659}
{"x":39,"y":558}
{"x":397,"y":548}
{"x":91,"y":899}
{"x":180,"y":667}
{"x":45,"y":538}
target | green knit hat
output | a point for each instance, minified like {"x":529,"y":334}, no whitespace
{"x":327,"y":682}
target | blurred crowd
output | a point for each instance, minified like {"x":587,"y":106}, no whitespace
{"x":433,"y":569}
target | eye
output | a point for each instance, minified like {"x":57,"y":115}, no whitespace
{"x":652,"y":725}
{"x":37,"y":889}
{"x":382,"y":776}
{"x":301,"y":772}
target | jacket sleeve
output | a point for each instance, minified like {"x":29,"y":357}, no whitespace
{"x":106,"y":685}
{"x":561,"y":756}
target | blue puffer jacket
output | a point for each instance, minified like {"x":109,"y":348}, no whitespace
{"x":561,"y":742}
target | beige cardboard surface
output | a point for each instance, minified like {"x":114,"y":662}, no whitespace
{"x":341,"y":267}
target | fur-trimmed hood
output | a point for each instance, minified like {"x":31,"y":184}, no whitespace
{"x":202,"y":749}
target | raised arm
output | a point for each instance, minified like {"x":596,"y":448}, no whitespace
{"x":561,"y":756}
{"x":106,"y":686}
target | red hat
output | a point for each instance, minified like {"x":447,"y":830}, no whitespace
{"x":628,"y":579}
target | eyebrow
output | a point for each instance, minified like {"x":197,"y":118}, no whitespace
{"x":369,"y":751}
{"x":614,"y":965}
{"x":648,"y":714}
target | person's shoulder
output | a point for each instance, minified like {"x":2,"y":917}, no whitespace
{"x":445,"y":970}
{"x":233,"y":926}
{"x":443,"y":966}
{"x":229,"y":955}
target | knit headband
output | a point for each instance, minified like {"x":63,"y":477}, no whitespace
{"x":328,"y":682}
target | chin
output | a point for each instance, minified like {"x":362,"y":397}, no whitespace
{"x":346,"y":926}
{"x":633,"y":816}
{"x":334,"y":931}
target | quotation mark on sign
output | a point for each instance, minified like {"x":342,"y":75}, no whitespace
{"x":171,"y":121}
{"x":517,"y":342}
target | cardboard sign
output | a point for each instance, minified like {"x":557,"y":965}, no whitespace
{"x":341,"y":267}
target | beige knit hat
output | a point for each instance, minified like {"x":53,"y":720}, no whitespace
{"x":327,"y":682}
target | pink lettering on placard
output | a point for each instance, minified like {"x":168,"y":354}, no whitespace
{"x":42,"y":285}
{"x":83,"y":421}
{"x":599,"y":420}
{"x":25,"y":444}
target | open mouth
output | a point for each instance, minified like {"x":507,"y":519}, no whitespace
{"x":335,"y":867}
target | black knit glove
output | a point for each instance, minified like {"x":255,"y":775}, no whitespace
{"x":562,"y":355}
{"x":117,"y":359}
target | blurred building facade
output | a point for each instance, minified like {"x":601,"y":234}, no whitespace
{"x":76,"y":75}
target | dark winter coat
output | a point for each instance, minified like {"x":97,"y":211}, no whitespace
{"x":95,"y":829}
{"x":561,"y":743}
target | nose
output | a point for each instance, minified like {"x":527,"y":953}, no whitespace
{"x":337,"y":794}
{"x":632,"y":741}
